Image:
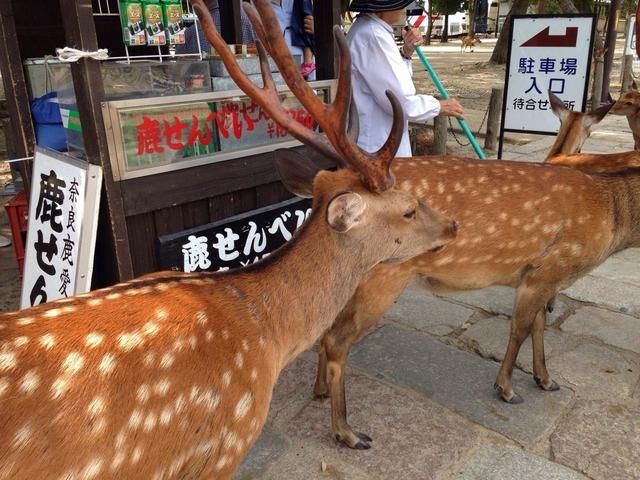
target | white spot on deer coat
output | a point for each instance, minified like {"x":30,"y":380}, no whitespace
{"x":30,"y":382}
{"x":59,"y":387}
{"x":243,"y":406}
{"x":96,"y":406}
{"x":150,"y":422}
{"x":25,"y":321}
{"x":21,"y":341}
{"x":167,"y":360}
{"x":118,"y":459}
{"x":7,"y":361}
{"x":54,"y":312}
{"x":92,"y":470}
{"x":162,"y":387}
{"x":150,"y":329}
{"x":225,"y":334}
{"x":162,"y":314}
{"x":4,"y":386}
{"x":129,"y":341}
{"x":245,"y":345}
{"x":239,"y":359}
{"x":94,"y":339}
{"x":208,"y":336}
{"x":107,"y":364}
{"x":226,"y":378}
{"x":73,"y":363}
{"x":135,"y":420}
{"x":22,"y":437}
{"x":202,"y":318}
{"x":144,"y":393}
{"x":113,"y":296}
{"x":94,"y":302}
{"x":165,"y":416}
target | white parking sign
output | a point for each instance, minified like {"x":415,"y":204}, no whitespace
{"x":547,"y":53}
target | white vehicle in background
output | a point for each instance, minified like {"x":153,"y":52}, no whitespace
{"x":457,"y":24}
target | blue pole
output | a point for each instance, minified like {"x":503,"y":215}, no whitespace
{"x":445,"y":95}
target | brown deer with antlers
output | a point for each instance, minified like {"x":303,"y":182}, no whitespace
{"x":171,"y":375}
{"x":535,"y":227}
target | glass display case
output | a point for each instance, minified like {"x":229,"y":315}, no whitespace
{"x":154,"y":135}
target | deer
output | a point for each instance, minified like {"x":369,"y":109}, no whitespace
{"x":628,"y":104}
{"x":575,"y":128}
{"x":469,"y":41}
{"x":171,"y":375}
{"x":535,"y":227}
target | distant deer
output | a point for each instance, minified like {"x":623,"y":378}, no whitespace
{"x":574,"y":130}
{"x":629,"y":105}
{"x":469,"y":42}
{"x":170,"y":376}
{"x":535,"y":227}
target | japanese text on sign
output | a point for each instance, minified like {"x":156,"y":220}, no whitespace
{"x":548,"y":54}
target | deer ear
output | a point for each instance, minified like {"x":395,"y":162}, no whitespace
{"x":597,"y":115}
{"x":345,"y":211}
{"x":296,"y":172}
{"x":559,"y":108}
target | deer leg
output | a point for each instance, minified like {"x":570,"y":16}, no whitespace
{"x":321,"y":387}
{"x":540,"y":373}
{"x":529,"y":302}
{"x":373,"y":297}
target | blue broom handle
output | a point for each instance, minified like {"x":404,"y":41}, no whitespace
{"x":445,"y":95}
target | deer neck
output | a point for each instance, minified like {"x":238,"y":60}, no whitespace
{"x":634,"y":124}
{"x":625,"y":188}
{"x":306,"y":284}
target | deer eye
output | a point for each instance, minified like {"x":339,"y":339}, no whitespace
{"x":410,"y":215}
{"x":629,"y":103}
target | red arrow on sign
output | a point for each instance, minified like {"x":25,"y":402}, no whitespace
{"x":544,"y":39}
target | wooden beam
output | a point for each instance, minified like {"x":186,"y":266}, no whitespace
{"x":230,"y":21}
{"x":89,"y":89}
{"x":15,"y":89}
{"x":326,"y":14}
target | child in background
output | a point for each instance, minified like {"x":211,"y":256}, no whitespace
{"x":302,"y":39}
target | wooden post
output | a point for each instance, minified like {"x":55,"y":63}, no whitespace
{"x":610,"y":44}
{"x":627,"y":73}
{"x":326,"y":14}
{"x":596,"y":89}
{"x":439,"y":135}
{"x":15,"y":89}
{"x":493,"y":119}
{"x":113,"y":263}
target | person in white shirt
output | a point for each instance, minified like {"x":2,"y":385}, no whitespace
{"x":378,"y":65}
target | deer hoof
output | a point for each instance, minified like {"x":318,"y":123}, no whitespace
{"x":514,"y":398}
{"x":360,"y":441}
{"x":552,"y":387}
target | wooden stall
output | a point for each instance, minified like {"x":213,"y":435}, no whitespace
{"x":136,"y":210}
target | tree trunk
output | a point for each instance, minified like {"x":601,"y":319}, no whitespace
{"x":567,"y":6}
{"x":430,"y":24}
{"x":471,"y":18}
{"x":499,"y":55}
{"x":445,"y":29}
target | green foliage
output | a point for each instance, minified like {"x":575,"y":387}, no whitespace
{"x":447,"y":6}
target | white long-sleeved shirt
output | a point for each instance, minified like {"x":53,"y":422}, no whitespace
{"x":377,"y":66}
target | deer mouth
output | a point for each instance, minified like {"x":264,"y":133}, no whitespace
{"x":437,"y":249}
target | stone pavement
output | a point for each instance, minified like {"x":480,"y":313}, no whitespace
{"x":421,"y":383}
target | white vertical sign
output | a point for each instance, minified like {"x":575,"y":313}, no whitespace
{"x":63,"y":214}
{"x":546,"y":53}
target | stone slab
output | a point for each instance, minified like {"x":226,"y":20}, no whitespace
{"x":620,"y":270}
{"x":595,"y":372}
{"x":618,"y":296}
{"x":612,"y":328}
{"x":413,"y":437}
{"x":461,"y":382}
{"x":490,"y":336}
{"x":267,"y":449}
{"x":498,"y":462}
{"x":418,"y":308}
{"x":600,"y":439}
{"x":500,"y":300}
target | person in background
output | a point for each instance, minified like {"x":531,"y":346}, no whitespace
{"x":284,"y":10}
{"x":378,"y":65}
{"x":191,"y":42}
{"x":301,"y":38}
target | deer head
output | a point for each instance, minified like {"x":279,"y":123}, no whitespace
{"x":575,"y":127}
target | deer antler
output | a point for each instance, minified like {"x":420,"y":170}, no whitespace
{"x":332,"y":119}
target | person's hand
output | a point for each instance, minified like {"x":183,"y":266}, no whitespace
{"x":411,"y":38}
{"x":308,"y":25}
{"x":451,"y":108}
